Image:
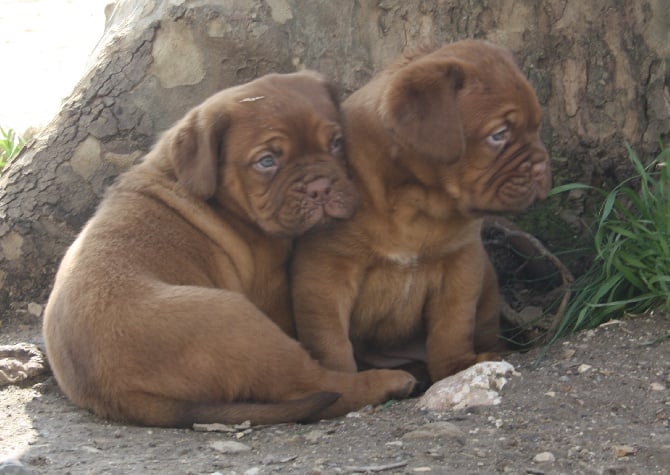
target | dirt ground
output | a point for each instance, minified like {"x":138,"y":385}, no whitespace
{"x":597,"y":403}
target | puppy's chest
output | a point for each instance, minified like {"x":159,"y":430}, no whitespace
{"x":415,"y":224}
{"x":391,"y":299}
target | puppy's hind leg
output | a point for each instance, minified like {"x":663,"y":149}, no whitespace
{"x":214,"y":357}
{"x":158,"y":411}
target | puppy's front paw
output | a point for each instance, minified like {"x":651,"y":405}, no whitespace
{"x":371,"y":387}
{"x":392,"y":383}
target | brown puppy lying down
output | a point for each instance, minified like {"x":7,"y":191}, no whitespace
{"x":436,"y":141}
{"x":172,"y":306}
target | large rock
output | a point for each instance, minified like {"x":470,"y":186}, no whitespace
{"x":478,"y":385}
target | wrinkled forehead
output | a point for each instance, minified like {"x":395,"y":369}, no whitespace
{"x":294,"y":97}
{"x":495,"y":87}
{"x":294,"y":106}
{"x":487,"y":96}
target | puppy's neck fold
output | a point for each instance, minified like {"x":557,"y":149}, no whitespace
{"x":222,"y":226}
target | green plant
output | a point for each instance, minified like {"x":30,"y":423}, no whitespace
{"x":631,"y":269}
{"x":10,"y":146}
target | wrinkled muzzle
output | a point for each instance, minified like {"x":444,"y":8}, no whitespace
{"x":311,"y":196}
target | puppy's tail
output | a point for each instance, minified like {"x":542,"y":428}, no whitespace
{"x":185,"y":414}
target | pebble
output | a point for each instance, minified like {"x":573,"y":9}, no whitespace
{"x":20,"y":362}
{"x":313,"y":436}
{"x":583,"y":368}
{"x":568,"y":353}
{"x":229,"y":446}
{"x":544,"y":457}
{"x":624,"y":450}
{"x":35,"y":309}
{"x":657,"y":387}
{"x":90,"y":450}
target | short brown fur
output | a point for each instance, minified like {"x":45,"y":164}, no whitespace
{"x":435,"y":141}
{"x":172,"y":306}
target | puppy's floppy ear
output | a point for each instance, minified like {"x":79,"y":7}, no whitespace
{"x":419,"y":106}
{"x":195,"y":149}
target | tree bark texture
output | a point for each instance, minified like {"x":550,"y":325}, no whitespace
{"x":601,"y":71}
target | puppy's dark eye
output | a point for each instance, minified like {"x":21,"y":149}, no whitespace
{"x":267,"y":162}
{"x":499,"y":137}
{"x":337,"y":145}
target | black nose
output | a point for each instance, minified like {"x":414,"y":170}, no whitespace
{"x":319,"y":189}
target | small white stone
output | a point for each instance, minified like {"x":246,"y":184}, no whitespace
{"x":544,"y":457}
{"x":498,"y":423}
{"x":229,"y":446}
{"x":657,"y":387}
{"x":90,"y":450}
{"x":35,"y":309}
{"x":394,"y":443}
{"x":313,"y":436}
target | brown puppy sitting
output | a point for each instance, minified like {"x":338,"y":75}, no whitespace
{"x":159,"y":313}
{"x":436,"y":141}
